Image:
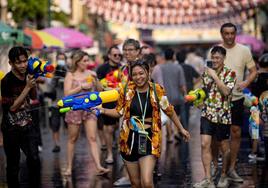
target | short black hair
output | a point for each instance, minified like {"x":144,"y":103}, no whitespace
{"x":169,"y":53}
{"x":133,"y":42}
{"x":263,"y":60}
{"x":150,"y":59}
{"x":181,"y":56}
{"x":61,"y":53}
{"x":229,"y":24}
{"x":15,"y":52}
{"x":112,"y":47}
{"x":218,"y":49}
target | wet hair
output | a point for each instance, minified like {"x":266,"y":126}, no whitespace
{"x":228,"y":25}
{"x":76,"y":57}
{"x":15,"y":52}
{"x":263,"y":60}
{"x":218,"y":49}
{"x":141,"y":63}
{"x":150,"y":59}
{"x":61,"y":53}
{"x":169,"y":53}
{"x":132,"y":42}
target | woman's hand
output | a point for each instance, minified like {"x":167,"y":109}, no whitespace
{"x":185,"y":134}
{"x":86,"y":86}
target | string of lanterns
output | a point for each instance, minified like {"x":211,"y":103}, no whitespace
{"x":146,"y":13}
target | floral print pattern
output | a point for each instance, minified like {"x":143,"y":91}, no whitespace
{"x":217,"y":107}
{"x":123,"y":107}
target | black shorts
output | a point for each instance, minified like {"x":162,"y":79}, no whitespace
{"x":135,"y":156}
{"x":237,"y":112}
{"x":55,"y":119}
{"x":107,"y":120}
{"x":220,"y":131}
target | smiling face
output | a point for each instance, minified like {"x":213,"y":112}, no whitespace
{"x":228,"y":35}
{"x":217,"y":61}
{"x":20,"y":65}
{"x":140,"y":76}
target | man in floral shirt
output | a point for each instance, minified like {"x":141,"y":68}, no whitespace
{"x":216,"y":113}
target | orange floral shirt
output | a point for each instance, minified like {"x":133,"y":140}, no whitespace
{"x":123,"y":108}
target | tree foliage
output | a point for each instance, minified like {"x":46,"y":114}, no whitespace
{"x":32,"y":10}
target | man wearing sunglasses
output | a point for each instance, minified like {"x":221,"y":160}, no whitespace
{"x":109,"y":67}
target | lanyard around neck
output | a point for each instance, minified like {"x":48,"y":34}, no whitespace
{"x":143,"y":111}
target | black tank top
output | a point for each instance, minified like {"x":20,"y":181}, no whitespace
{"x":135,"y":109}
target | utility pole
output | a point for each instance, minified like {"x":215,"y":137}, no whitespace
{"x":49,"y":13}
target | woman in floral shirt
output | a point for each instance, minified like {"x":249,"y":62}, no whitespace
{"x":140,"y":135}
{"x":218,"y":81}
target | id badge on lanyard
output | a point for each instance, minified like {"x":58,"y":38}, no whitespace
{"x":142,"y":142}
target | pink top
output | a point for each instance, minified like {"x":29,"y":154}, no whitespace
{"x":78,"y":116}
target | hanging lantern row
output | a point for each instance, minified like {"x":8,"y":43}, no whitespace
{"x":171,"y":12}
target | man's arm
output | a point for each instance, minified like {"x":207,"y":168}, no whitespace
{"x":30,"y":83}
{"x":250,"y":78}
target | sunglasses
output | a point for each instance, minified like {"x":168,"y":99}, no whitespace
{"x":117,"y":55}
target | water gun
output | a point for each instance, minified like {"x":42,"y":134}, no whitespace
{"x":38,"y":67}
{"x":111,"y":80}
{"x":250,"y":99}
{"x":254,"y":122}
{"x":196,"y":96}
{"x":252,"y":102}
{"x":263,"y":104}
{"x":86,"y":101}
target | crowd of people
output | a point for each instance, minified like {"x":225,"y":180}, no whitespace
{"x":150,"y":86}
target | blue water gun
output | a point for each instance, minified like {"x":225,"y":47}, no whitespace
{"x":38,"y":68}
{"x":86,"y":101}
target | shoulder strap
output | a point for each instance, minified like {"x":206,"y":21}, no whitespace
{"x":155,"y":94}
{"x":125,"y":89}
{"x":156,"y":97}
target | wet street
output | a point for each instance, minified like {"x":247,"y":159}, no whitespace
{"x":180,"y":166}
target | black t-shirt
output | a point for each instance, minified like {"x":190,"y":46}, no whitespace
{"x":260,"y":85}
{"x":11,"y":88}
{"x":102,"y":71}
{"x":105,"y":69}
